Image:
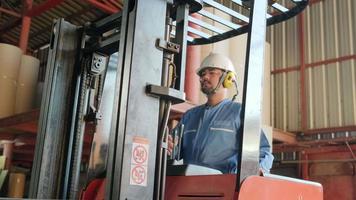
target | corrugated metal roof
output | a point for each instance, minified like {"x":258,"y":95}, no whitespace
{"x":76,"y":12}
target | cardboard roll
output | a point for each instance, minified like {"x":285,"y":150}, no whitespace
{"x":28,"y":73}
{"x":10,"y":60}
{"x":27,"y":84}
{"x":16,"y":185}
{"x":25,"y":98}
{"x":7,"y":96}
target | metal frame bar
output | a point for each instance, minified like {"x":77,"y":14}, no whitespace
{"x":219,"y":19}
{"x":25,"y":28}
{"x":181,"y":39}
{"x":279,"y":148}
{"x":49,"y":166}
{"x":227,"y":10}
{"x":204,"y":25}
{"x":272,"y":19}
{"x":303,"y":100}
{"x":131,"y":81}
{"x":315,"y":64}
{"x":280,"y":8}
{"x":197,"y":32}
{"x":330,"y":129}
{"x":252,"y":92}
{"x":117,"y":138}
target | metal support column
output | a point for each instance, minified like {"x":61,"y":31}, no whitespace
{"x":252,"y":92}
{"x":48,"y":172}
{"x":191,"y":86}
{"x":305,"y":166}
{"x":25,"y":28}
{"x":302,"y":83}
{"x":181,"y":38}
{"x":136,"y":115}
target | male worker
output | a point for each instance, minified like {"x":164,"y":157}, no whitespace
{"x":212,"y":130}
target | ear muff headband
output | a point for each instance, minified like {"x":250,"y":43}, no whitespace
{"x":229,"y":80}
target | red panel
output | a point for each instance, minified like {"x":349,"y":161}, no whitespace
{"x":200,"y":187}
{"x":266,"y":188}
{"x":95,"y":190}
{"x":340,"y":187}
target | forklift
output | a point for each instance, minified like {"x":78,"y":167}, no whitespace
{"x":87,"y":94}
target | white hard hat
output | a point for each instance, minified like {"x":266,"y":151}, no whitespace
{"x":218,"y":61}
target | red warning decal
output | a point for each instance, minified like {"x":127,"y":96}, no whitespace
{"x":139,"y":159}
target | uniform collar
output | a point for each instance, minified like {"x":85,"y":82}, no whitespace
{"x":207,"y":106}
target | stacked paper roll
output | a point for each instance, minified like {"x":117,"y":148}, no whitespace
{"x":16,"y":185}
{"x":27,"y":84}
{"x":10,"y":59}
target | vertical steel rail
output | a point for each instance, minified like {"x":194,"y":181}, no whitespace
{"x":57,"y":102}
{"x":77,"y":133}
{"x":165,"y":107}
{"x":116,"y":138}
{"x":252,"y":92}
{"x":181,"y":39}
{"x":140,"y":64}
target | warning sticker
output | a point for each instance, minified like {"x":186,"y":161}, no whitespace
{"x":139,"y":159}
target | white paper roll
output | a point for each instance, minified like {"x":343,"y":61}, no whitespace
{"x":26,"y":84}
{"x":10,"y":60}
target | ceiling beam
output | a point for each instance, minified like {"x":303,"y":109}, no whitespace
{"x":39,"y":9}
{"x":10,"y":12}
{"x":48,"y":29}
{"x":103,"y":7}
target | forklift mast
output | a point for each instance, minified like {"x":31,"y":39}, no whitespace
{"x":151,"y":38}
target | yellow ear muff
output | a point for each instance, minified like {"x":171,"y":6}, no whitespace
{"x":229,"y":80}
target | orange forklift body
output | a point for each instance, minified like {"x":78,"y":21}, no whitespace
{"x":252,"y":188}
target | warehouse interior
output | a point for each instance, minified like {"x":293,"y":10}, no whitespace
{"x":309,"y":89}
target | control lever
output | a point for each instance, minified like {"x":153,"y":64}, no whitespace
{"x":174,"y":137}
{"x":180,"y":134}
{"x":177,"y":134}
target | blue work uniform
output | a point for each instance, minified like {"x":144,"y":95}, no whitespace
{"x":211,"y":137}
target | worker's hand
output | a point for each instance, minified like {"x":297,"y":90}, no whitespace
{"x":260,"y":172}
{"x":170,"y":145}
